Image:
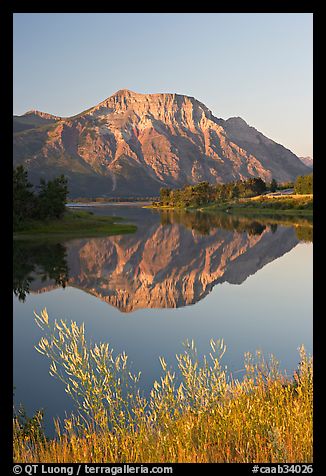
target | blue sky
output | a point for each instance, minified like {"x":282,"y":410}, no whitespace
{"x":257,"y":66}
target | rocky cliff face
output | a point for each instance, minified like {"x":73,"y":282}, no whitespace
{"x":168,"y":266}
{"x":133,"y":144}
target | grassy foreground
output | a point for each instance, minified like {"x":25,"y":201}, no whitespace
{"x":75,"y":223}
{"x":204,"y":415}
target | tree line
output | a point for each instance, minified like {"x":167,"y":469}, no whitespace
{"x":47,"y":201}
{"x":204,"y":193}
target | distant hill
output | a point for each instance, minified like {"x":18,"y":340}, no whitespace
{"x":133,"y":144}
{"x":33,"y":119}
{"x":308,"y":161}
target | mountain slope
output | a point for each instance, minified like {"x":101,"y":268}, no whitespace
{"x":133,"y":144}
{"x":33,"y":119}
{"x":308,"y":161}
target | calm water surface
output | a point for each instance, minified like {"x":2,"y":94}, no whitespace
{"x":180,"y":276}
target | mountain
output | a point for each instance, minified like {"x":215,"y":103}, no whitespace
{"x":132,"y":144}
{"x":33,"y":119}
{"x":308,"y":161}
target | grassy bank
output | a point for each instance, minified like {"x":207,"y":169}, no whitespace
{"x":269,"y":205}
{"x":75,"y":224}
{"x":203,"y":415}
{"x":300,"y":205}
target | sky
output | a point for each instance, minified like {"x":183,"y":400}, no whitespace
{"x":258,"y":66}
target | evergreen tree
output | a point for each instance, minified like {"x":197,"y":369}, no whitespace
{"x":23,"y":197}
{"x":165,"y":195}
{"x":27,"y":205}
{"x":52,"y":198}
{"x":273,"y":186}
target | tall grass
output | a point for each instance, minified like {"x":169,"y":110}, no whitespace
{"x":197,"y":413}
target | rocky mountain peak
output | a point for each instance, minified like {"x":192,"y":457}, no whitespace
{"x":240,"y":131}
{"x":308,"y":161}
{"x":161,"y":99}
{"x":237,"y":121}
{"x":141,"y":111}
{"x":132,"y":144}
{"x":125,"y":93}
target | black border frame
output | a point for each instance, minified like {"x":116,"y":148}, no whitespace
{"x":6,"y":32}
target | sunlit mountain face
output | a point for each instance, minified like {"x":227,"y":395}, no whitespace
{"x":173,"y":261}
{"x":133,"y":144}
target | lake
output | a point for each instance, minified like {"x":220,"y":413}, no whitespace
{"x":182,"y":275}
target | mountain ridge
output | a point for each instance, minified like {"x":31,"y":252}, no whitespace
{"x":134,"y":144}
{"x":308,"y":161}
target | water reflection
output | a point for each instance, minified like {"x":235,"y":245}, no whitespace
{"x":37,"y":263}
{"x":171,"y":262}
{"x":203,"y":223}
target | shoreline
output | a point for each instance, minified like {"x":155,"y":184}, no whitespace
{"x":257,"y":205}
{"x":106,"y":204}
{"x":75,"y":224}
{"x":240,"y":210}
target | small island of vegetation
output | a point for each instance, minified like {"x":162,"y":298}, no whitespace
{"x":245,"y":196}
{"x":42,"y":212}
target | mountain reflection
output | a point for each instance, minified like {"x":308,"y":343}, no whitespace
{"x":170,"y":262}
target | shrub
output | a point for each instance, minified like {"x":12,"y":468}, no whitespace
{"x":304,"y":184}
{"x":200,"y":415}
